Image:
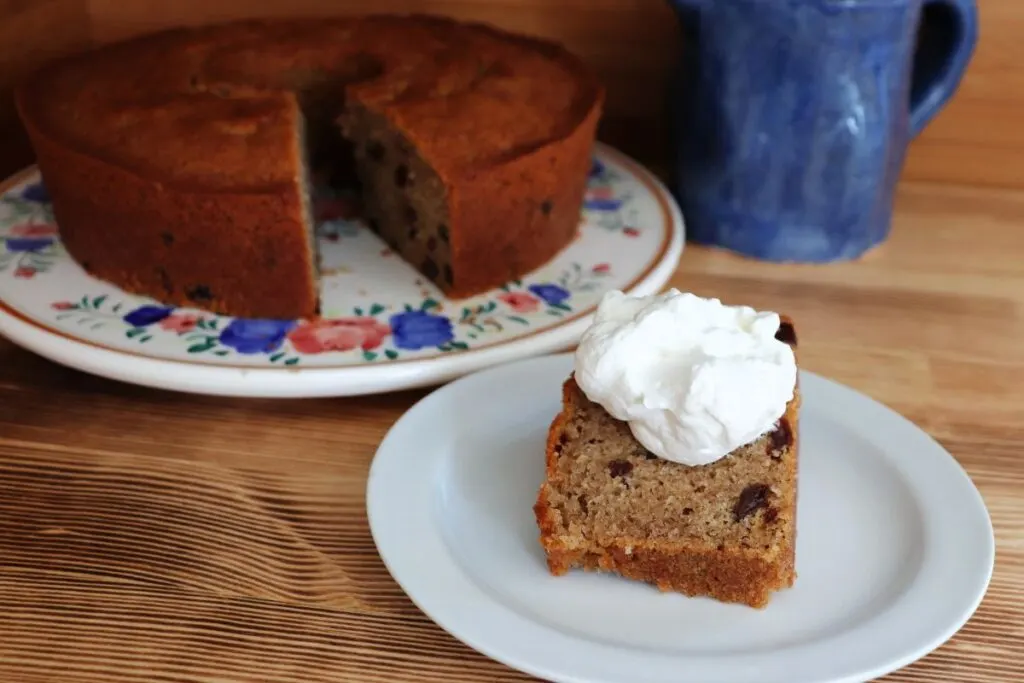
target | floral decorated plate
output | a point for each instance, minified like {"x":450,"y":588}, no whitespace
{"x":384,"y":326}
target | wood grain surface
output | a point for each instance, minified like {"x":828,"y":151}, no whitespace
{"x":152,"y":536}
{"x":633,"y":44}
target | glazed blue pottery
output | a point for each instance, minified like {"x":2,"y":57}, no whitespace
{"x":792,"y":117}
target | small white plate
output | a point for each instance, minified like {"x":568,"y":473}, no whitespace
{"x":384,"y":326}
{"x":895,"y":547}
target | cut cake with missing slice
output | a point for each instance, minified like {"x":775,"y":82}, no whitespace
{"x":726,"y":530}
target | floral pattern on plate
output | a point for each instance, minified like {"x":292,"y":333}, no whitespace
{"x":376,"y":307}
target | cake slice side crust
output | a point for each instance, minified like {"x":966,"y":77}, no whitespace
{"x":725,"y":530}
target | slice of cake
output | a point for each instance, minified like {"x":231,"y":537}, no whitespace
{"x":650,"y":498}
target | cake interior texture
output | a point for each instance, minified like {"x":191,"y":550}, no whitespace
{"x":726,"y":530}
{"x":181,"y":164}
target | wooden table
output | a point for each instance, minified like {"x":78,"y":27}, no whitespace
{"x":151,"y":536}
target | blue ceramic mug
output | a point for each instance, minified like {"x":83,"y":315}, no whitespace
{"x":792,"y":117}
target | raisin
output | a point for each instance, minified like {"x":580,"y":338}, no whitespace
{"x":165,"y":280}
{"x":401,"y":175}
{"x":442,"y":232}
{"x":375,"y":151}
{"x":449,"y":276}
{"x":780,"y":438}
{"x":786,"y":334}
{"x":687,"y":511}
{"x":650,"y":456}
{"x":770,"y":515}
{"x":410,"y":215}
{"x":429,"y":268}
{"x":199,"y":293}
{"x":167,"y":238}
{"x":699,"y":489}
{"x":751,"y":499}
{"x":546,"y":206}
{"x":620,"y":468}
{"x":582,"y":500}
{"x":563,"y":439}
{"x":432,"y":244}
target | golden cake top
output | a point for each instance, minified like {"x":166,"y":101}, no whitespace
{"x":192,"y":105}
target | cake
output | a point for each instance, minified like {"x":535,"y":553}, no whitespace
{"x":179,"y":164}
{"x":725,"y":530}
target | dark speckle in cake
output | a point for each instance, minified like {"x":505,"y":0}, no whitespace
{"x":430,"y":269}
{"x":199,"y":293}
{"x":546,"y":206}
{"x":401,"y":175}
{"x":375,"y":151}
{"x":786,"y":334}
{"x":167,"y":238}
{"x":442,"y":232}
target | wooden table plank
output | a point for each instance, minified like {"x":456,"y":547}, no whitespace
{"x":153,"y":536}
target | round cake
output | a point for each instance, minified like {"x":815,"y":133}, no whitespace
{"x":179,"y":163}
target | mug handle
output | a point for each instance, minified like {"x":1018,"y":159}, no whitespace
{"x":945,"y":44}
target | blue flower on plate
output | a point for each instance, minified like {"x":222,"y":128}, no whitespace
{"x":596,"y":168}
{"x":144,"y":316}
{"x":28,"y":243}
{"x":414,"y":330}
{"x":253,"y":335}
{"x":36,"y":192}
{"x":549,"y":293}
{"x":602,"y":204}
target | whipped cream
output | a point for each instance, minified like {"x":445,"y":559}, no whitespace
{"x":693,"y":378}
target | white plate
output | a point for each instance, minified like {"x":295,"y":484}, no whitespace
{"x":385,"y":328}
{"x":894,"y":553}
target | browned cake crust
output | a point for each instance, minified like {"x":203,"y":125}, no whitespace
{"x":176,"y":162}
{"x":726,"y":530}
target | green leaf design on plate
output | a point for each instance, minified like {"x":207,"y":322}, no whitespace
{"x":201,"y":347}
{"x":220,"y":352}
{"x":98,"y":301}
{"x":490,"y":306}
{"x":358,"y":311}
{"x":369,"y":356}
{"x":134,"y":332}
{"x":461,"y":346}
{"x":376,"y":309}
{"x":429,"y":304}
{"x":517,"y":319}
{"x":292,"y":361}
{"x":84,"y":302}
{"x":562,"y":307}
{"x":146,"y":338}
{"x":116,"y":308}
{"x":277,"y":356}
{"x":391,"y":354}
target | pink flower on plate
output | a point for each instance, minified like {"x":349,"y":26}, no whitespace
{"x":341,"y":334}
{"x":180,"y":322}
{"x":62,"y":305}
{"x":600,"y":192}
{"x":24,"y":272}
{"x":520,"y":302}
{"x":602,"y":268}
{"x":33,"y":230}
{"x":630,"y":232}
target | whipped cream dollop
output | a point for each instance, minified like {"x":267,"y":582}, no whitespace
{"x":694,"y":379}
